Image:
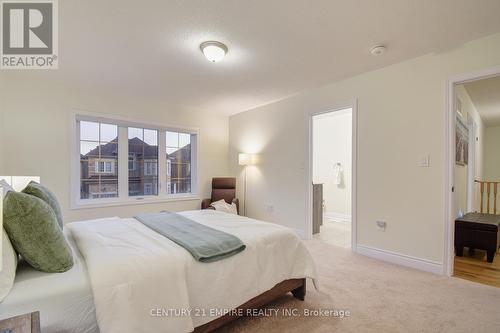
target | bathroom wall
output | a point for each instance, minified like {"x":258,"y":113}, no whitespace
{"x":332,"y":143}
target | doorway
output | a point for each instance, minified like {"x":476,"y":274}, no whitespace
{"x":332,"y":171}
{"x":473,"y":237}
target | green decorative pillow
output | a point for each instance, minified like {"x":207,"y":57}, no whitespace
{"x":9,"y":265}
{"x":33,"y":230}
{"x":40,"y":191}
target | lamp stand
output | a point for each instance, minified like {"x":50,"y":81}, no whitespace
{"x":245,"y":193}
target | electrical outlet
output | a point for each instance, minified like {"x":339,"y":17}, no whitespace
{"x":423,"y":161}
{"x":381,"y":225}
{"x":269,"y":208}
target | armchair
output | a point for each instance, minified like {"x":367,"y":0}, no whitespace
{"x":222,"y":188}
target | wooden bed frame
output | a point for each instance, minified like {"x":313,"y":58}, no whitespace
{"x":296,"y":286}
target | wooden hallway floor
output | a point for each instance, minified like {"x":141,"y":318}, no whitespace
{"x":474,"y":267}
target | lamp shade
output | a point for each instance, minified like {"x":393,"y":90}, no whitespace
{"x":245,"y":159}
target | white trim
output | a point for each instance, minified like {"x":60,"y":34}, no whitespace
{"x":354,"y":180}
{"x":401,"y":259}
{"x":124,"y":199}
{"x":449,"y":151}
{"x":162,"y":163}
{"x":338,"y":217}
{"x":153,"y":199}
{"x":353,"y":105}
{"x":106,"y":118}
{"x":123,"y":163}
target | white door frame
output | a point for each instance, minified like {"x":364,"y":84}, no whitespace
{"x":354,"y":160}
{"x":449,"y":131}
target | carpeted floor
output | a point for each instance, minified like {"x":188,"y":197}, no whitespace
{"x":381,"y":297}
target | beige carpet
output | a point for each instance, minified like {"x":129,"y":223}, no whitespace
{"x":382,"y":298}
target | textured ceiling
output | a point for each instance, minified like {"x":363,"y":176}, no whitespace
{"x":276,"y":47}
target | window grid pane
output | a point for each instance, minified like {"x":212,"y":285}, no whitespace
{"x":98,"y":160}
{"x":142,"y":162}
{"x":178,"y":154}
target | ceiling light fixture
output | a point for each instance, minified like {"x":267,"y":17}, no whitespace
{"x":378,"y":50}
{"x":213,"y":51}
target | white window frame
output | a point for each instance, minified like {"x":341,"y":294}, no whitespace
{"x":123,"y":197}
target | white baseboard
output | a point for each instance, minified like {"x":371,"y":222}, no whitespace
{"x":338,"y":217}
{"x":401,"y":259}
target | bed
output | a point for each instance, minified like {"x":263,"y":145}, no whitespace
{"x":64,"y":300}
{"x":126,"y":276}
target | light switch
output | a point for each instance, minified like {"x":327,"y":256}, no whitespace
{"x":423,"y":161}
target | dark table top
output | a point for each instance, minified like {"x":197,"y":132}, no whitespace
{"x":479,"y":221}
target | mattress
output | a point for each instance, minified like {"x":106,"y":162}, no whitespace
{"x":64,"y":299}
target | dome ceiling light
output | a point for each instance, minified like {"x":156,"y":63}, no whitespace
{"x":213,"y":51}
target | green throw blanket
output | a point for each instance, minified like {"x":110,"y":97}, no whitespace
{"x":205,"y":244}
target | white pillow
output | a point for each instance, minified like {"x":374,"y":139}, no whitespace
{"x":9,"y":265}
{"x":6,"y":187}
{"x":223,"y":206}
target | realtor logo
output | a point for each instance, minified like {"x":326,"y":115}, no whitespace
{"x":29,"y":34}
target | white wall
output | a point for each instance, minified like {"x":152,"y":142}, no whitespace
{"x":1,"y":143}
{"x":36,"y":108}
{"x":2,"y":108}
{"x":332,"y":143}
{"x":401,"y":112}
{"x":491,"y":160}
{"x":461,"y":171}
{"x":491,"y":154}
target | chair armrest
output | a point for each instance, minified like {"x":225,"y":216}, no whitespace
{"x":236,"y":201}
{"x":205,"y":204}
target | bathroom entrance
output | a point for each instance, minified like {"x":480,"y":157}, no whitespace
{"x":332,"y":176}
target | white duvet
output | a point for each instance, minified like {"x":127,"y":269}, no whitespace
{"x":143,"y":282}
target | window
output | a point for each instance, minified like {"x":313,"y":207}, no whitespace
{"x":98,"y":154}
{"x":143,"y":144}
{"x":178,"y":149}
{"x":104,"y":166}
{"x":151,"y":168}
{"x":121,"y":161}
{"x":150,"y":188}
{"x":131,"y":161}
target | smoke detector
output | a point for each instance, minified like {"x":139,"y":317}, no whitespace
{"x":378,"y":50}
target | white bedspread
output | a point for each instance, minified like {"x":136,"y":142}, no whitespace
{"x":139,"y":276}
{"x":64,"y":300}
